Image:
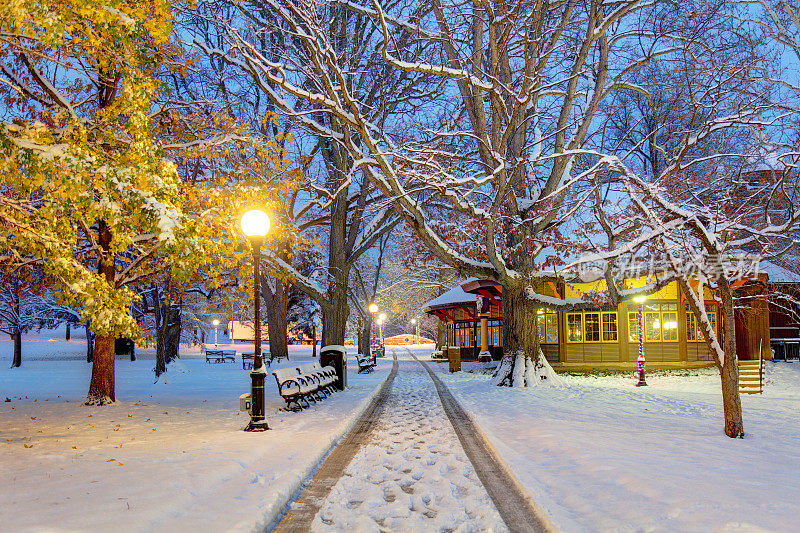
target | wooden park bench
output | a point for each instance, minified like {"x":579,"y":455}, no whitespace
{"x":308,"y":381}
{"x":364,"y":363}
{"x":220,"y":356}
{"x":293,"y":388}
{"x":248,"y":357}
{"x":324,"y":377}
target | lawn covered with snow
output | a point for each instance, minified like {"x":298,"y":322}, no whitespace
{"x":603,"y":455}
{"x":166,"y":456}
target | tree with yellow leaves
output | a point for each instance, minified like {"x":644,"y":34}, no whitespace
{"x":85,"y":189}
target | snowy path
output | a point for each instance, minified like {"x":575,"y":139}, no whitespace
{"x":413,"y":475}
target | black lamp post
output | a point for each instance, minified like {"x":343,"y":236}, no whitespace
{"x":255,"y":225}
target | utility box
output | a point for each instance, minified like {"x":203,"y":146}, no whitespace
{"x":335,"y":355}
{"x":454,"y":356}
{"x":244,"y":403}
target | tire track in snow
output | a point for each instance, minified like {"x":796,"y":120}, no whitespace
{"x":302,"y":511}
{"x":519,"y":512}
{"x":413,"y":475}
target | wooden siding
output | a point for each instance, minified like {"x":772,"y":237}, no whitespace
{"x":752,"y":323}
{"x":551,"y":353}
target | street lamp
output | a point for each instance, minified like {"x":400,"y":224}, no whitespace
{"x":255,"y":225}
{"x":373,"y":308}
{"x":415,"y":330}
{"x":216,"y":331}
{"x":381,"y":320}
{"x":640,"y":361}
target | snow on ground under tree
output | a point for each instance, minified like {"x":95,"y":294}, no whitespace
{"x":168,"y":457}
{"x":603,"y":455}
{"x":599,"y":454}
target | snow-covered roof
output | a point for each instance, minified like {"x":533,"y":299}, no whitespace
{"x":451,"y":298}
{"x":778,"y":274}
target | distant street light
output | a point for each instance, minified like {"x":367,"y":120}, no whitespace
{"x":381,"y":320}
{"x":216,"y":331}
{"x":373,"y":308}
{"x":640,"y":362}
{"x":255,"y":225}
{"x":415,"y":324}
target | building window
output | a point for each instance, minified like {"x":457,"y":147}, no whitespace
{"x":592,"y":327}
{"x":548,"y":326}
{"x":694,"y":329}
{"x":464,"y":334}
{"x":669,"y":322}
{"x":660,"y":323}
{"x":574,"y":327}
{"x":633,"y":326}
{"x":691,"y":327}
{"x":609,"y":327}
{"x":495,"y":332}
{"x":652,"y":323}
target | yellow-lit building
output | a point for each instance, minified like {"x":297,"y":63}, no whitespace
{"x":601,"y":336}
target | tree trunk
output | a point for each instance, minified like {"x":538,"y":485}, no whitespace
{"x":161,"y":315}
{"x":89,"y":343}
{"x":172,"y":336}
{"x":441,"y":334}
{"x":729,"y":373}
{"x":334,"y":320}
{"x":67,"y":331}
{"x":276,"y":316}
{"x":520,"y":338}
{"x":314,"y":340}
{"x":101,"y":388}
{"x":17,"y":361}
{"x":364,"y":346}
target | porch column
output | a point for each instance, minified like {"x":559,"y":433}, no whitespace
{"x":484,"y":334}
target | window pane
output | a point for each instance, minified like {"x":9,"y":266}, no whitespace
{"x":592,"y":327}
{"x":540,"y":320}
{"x":670,"y":326}
{"x":609,"y":327}
{"x":552,"y":328}
{"x":633,"y":327}
{"x":691,"y":329}
{"x":652,"y":326}
{"x":574,"y":322}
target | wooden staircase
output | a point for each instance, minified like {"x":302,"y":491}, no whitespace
{"x":751,"y":377}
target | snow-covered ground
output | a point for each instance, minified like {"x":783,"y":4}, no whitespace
{"x":598,"y":455}
{"x":603,"y":455}
{"x":413,"y":475}
{"x":167,"y":456}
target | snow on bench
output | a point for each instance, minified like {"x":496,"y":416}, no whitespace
{"x":365,"y":363}
{"x":325,"y":377}
{"x":303,"y":382}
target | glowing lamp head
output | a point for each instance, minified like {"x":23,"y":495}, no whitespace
{"x":215,"y":322}
{"x":640,"y":299}
{"x":413,"y":320}
{"x":382,"y":317}
{"x":255,"y":223}
{"x":373,"y":308}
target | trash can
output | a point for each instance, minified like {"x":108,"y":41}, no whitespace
{"x":123,"y":347}
{"x":335,"y":355}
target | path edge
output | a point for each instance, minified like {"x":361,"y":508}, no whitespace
{"x":369,"y":405}
{"x":541,"y":521}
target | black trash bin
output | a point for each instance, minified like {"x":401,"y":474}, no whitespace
{"x":335,"y":355}
{"x":123,"y":347}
